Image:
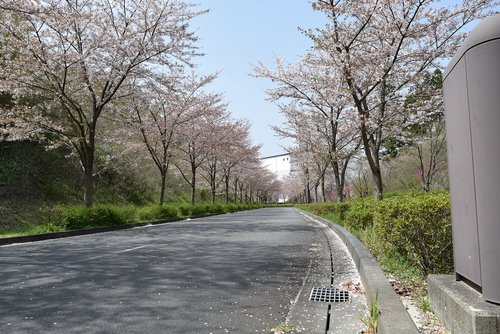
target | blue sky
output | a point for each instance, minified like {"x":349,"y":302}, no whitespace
{"x":237,"y":34}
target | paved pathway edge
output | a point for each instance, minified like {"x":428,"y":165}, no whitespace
{"x":74,"y":233}
{"x":393,"y":316}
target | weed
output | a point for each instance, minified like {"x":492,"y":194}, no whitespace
{"x":281,"y":328}
{"x":370,"y":321}
{"x":424,"y":304}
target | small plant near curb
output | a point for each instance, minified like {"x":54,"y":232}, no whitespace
{"x":424,"y":304}
{"x":371,"y":320}
{"x":281,"y":328}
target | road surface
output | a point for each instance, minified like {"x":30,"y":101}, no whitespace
{"x":234,"y":273}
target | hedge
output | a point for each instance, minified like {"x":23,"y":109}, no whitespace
{"x":64,"y":218}
{"x":60,"y":218}
{"x":360,"y":214}
{"x":419,"y":228}
{"x":415,"y":225}
{"x":157,"y":212}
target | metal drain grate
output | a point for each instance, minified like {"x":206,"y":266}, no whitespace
{"x":329,"y":295}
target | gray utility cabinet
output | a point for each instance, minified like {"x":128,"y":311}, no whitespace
{"x":472,"y":108}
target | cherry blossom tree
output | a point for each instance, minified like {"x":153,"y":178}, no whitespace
{"x":382,"y":48}
{"x":256,"y":183}
{"x":195,"y":140}
{"x":220,"y":139}
{"x":79,"y":57}
{"x":230,"y":146}
{"x":317,"y":113}
{"x":240,"y":152}
{"x":160,"y":107}
{"x":425,"y":129}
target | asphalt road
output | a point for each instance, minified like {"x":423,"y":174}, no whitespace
{"x":233,"y":273}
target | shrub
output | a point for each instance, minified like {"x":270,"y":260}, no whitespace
{"x":359,"y":214}
{"x":231,"y":207}
{"x":157,"y":212}
{"x":217,"y":209}
{"x":61,"y":218}
{"x":418,"y":226}
{"x":184,"y":210}
{"x":337,"y":209}
{"x":200,"y":210}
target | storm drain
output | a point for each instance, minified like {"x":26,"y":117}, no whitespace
{"x":329,"y":295}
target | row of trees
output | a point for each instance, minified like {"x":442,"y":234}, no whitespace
{"x":370,"y":85}
{"x":119,"y":76}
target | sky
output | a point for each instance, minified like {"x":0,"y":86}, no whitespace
{"x":235,"y":35}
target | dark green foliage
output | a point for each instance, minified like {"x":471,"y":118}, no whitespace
{"x":217,"y":209}
{"x":233,"y":207}
{"x":157,"y":212}
{"x":200,"y":209}
{"x":123,"y":185}
{"x":184,"y":210}
{"x":432,"y":82}
{"x":28,"y":171}
{"x":79,"y":217}
{"x":203,"y":195}
{"x":6,"y":100}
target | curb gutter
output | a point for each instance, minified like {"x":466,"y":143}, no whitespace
{"x":393,"y":316}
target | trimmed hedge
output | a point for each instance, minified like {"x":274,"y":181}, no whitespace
{"x":157,"y":212}
{"x":337,"y":209}
{"x":64,"y":218}
{"x":360,"y":214}
{"x":419,"y":228}
{"x":415,"y":225}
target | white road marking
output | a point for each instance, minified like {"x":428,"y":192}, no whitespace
{"x":296,"y":300}
{"x":111,"y":254}
{"x":131,"y":249}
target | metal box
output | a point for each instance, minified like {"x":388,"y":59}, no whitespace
{"x":472,"y":109}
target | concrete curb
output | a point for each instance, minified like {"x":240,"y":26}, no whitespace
{"x":461,"y":308}
{"x":393,"y":316}
{"x":75,"y":233}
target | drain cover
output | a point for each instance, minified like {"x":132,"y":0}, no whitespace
{"x":329,"y":295}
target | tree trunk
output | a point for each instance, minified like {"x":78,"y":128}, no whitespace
{"x":323,"y":192}
{"x":241,"y":193}
{"x":193,"y":188}
{"x":308,"y":192}
{"x":377,"y":180}
{"x":226,"y":183}
{"x":339,"y":187}
{"x":316,"y":199}
{"x":373,"y":162}
{"x":88,"y":163}
{"x":162,"y":190}
{"x":213,"y":194}
{"x":236,"y":190}
{"x":89,"y":188}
